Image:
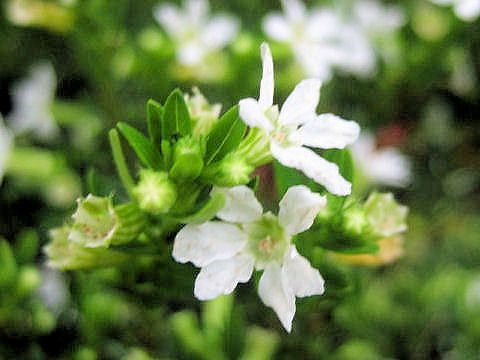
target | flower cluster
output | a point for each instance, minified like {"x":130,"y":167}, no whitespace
{"x":196,"y":168}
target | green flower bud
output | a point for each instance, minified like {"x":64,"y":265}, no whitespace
{"x":154,"y":192}
{"x":203,"y":114}
{"x":97,"y":223}
{"x":385,"y":215}
{"x":68,"y":255}
{"x":187,"y":159}
{"x":232,"y":170}
{"x":355,"y":221}
{"x":28,"y":280}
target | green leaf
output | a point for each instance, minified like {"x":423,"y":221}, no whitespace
{"x":7,"y":264}
{"x":207,"y":212}
{"x":176,"y":118}
{"x":154,"y":121}
{"x":145,"y":150}
{"x":225,"y":136}
{"x":26,"y":247}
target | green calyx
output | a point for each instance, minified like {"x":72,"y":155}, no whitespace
{"x":187,"y":159}
{"x":385,"y":215}
{"x":232,"y":170}
{"x":268,"y":241}
{"x":155,"y":193}
{"x":255,"y":148}
{"x":68,"y":255}
{"x":97,"y":223}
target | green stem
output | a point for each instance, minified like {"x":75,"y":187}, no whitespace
{"x":120,"y":162}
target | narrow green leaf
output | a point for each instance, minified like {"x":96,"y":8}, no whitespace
{"x":154,"y":121}
{"x":145,"y":150}
{"x":176,"y":118}
{"x":167,"y":153}
{"x":225,"y":136}
{"x":7,"y":264}
{"x":120,"y":162}
{"x":207,"y":212}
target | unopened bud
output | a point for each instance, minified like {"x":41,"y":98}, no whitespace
{"x":385,"y":216}
{"x":154,"y":192}
{"x":231,"y":171}
{"x":355,"y":221}
{"x":187,"y":159}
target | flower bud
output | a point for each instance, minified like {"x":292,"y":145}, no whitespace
{"x":154,"y":192}
{"x":97,"y":223}
{"x":230,"y":171}
{"x":68,"y":255}
{"x":203,"y":114}
{"x":187,"y":159}
{"x":355,"y":221}
{"x":385,"y":216}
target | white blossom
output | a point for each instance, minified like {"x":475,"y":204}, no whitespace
{"x":297,"y":126}
{"x":6,"y":143}
{"x":467,"y":10}
{"x":320,"y":40}
{"x":323,"y":38}
{"x":245,"y":239}
{"x":195,"y":33}
{"x":32,"y":101}
{"x":383,"y":166}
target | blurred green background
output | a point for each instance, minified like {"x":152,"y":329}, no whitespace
{"x":109,"y":58}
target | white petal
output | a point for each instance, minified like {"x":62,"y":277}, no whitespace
{"x":327,"y":131}
{"x":295,"y":10}
{"x":313,"y":60}
{"x":301,"y":277}
{"x":32,"y":99}
{"x":468,"y":10}
{"x":191,"y":53}
{"x":196,"y":12}
{"x":300,"y":105}
{"x":219,"y":31}
{"x":298,"y":209}
{"x":222,"y":276}
{"x":322,"y":171}
{"x":241,"y":205}
{"x":253,"y":115}
{"x":273,"y":293}
{"x":265,"y":100}
{"x":277,"y":28}
{"x":205,"y":243}
{"x":170,"y":18}
{"x":6,"y":142}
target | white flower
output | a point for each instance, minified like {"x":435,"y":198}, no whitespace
{"x":32,"y":101}
{"x":384,"y":166}
{"x":6,"y":142}
{"x":320,"y":40}
{"x":196,"y":34}
{"x":246,"y":239}
{"x":376,"y":18}
{"x":297,"y":125}
{"x":467,"y":10}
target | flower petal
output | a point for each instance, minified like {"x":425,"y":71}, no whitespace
{"x":273,"y":293}
{"x":300,"y":105}
{"x":6,"y":142}
{"x":301,"y":277}
{"x":277,"y":28}
{"x":327,"y":131}
{"x":241,"y":205}
{"x":322,"y":171}
{"x":219,"y":31}
{"x":253,"y":115}
{"x":222,"y":276}
{"x":205,"y":243}
{"x":267,"y":84}
{"x":294,"y":10}
{"x":298,"y":209}
{"x":170,"y":18}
